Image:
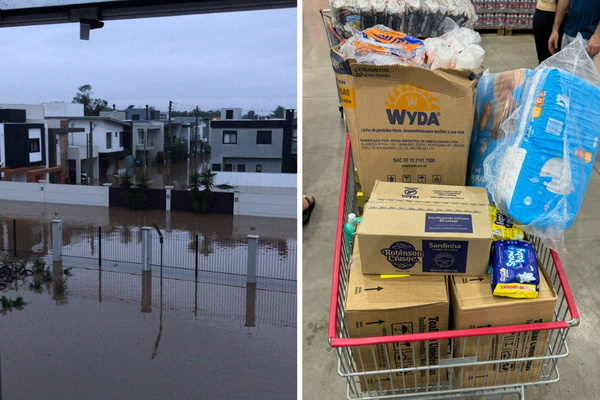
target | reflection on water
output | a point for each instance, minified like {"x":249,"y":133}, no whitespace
{"x":107,"y":334}
{"x":162,"y":175}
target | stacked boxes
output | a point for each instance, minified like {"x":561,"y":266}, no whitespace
{"x":425,"y":230}
{"x":378,"y":306}
{"x":473,"y":306}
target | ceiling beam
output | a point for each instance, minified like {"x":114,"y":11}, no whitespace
{"x":128,"y":9}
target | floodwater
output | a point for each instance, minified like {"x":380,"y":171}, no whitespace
{"x":115,"y":332}
{"x":118,"y":336}
{"x":173,"y":174}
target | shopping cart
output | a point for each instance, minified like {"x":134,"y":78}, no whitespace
{"x":333,"y":39}
{"x":356,"y":356}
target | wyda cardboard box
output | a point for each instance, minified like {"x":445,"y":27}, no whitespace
{"x":425,"y":229}
{"x":474,"y":306}
{"x":378,"y":306}
{"x":407,"y":124}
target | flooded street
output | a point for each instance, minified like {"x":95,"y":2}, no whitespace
{"x":84,"y":346}
{"x":116,"y":332}
{"x":173,"y":174}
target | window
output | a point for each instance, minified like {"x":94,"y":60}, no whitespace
{"x":229,"y":137}
{"x":228,"y":167}
{"x":135,"y":117}
{"x":109,"y":140}
{"x":258,"y":167}
{"x":241,"y":167}
{"x":263,"y":137}
{"x":141,"y":137}
{"x":216,"y":167}
{"x":121,"y":140}
{"x":34,"y":145}
{"x":228,"y":114}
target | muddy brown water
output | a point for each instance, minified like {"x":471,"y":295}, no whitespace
{"x":116,"y":334}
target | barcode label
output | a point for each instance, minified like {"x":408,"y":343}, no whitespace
{"x":554,"y":127}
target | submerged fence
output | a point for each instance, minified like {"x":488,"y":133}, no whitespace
{"x":195,"y":251}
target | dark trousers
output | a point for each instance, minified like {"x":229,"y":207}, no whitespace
{"x":542,"y":29}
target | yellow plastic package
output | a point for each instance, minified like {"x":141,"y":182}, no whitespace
{"x":503,"y":228}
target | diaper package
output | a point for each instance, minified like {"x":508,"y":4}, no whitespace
{"x":515,"y":271}
{"x":498,"y":95}
{"x":503,"y":228}
{"x":539,"y":173}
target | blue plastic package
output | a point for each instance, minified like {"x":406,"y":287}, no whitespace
{"x":538,"y":175}
{"x":514,"y":270}
{"x":498,"y":95}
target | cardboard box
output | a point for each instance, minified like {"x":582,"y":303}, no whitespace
{"x":473,"y":306}
{"x":425,"y":230}
{"x":407,"y":124}
{"x":378,"y":306}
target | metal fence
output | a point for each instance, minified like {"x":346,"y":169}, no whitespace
{"x":276,"y":259}
{"x":245,"y":304}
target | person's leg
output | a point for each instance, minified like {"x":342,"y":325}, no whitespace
{"x":542,"y":28}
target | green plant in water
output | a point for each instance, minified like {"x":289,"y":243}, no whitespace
{"x":36,"y":284}
{"x":47,"y":276}
{"x":8,"y":304}
{"x":38,"y":265}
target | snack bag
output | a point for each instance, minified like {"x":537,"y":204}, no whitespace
{"x":503,"y":228}
{"x":515,"y":271}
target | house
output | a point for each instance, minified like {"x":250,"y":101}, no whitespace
{"x":23,"y":143}
{"x":244,"y":145}
{"x":111,"y":143}
{"x":148,"y":140}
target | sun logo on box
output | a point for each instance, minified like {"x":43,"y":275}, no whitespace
{"x":412,"y":105}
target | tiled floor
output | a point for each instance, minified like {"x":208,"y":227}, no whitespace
{"x":323,"y":149}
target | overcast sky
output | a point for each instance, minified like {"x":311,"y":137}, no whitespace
{"x":239,"y":59}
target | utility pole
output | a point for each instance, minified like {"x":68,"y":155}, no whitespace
{"x":169,"y":137}
{"x":196,"y":138}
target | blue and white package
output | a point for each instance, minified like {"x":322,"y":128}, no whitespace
{"x":514,"y":270}
{"x":538,"y":175}
{"x":498,"y":95}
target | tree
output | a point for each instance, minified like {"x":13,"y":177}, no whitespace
{"x":91,"y":106}
{"x":201,"y":199}
{"x":251,"y":115}
{"x":279,"y":112}
{"x":135,"y":196}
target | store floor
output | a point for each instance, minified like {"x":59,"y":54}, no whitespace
{"x":323,"y":151}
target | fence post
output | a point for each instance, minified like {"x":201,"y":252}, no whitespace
{"x":168,"y":189}
{"x":14,"y":237}
{"x":252,"y":255}
{"x":196,"y":257}
{"x":56,"y":240}
{"x":146,"y":248}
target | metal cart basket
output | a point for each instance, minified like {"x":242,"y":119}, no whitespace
{"x":333,"y":39}
{"x":398,"y":376}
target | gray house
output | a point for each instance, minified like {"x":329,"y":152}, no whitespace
{"x":244,"y":145}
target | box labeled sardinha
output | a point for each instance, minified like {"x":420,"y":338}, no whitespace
{"x":407,"y":124}
{"x":425,"y":230}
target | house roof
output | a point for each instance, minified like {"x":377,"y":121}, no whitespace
{"x":93,"y":118}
